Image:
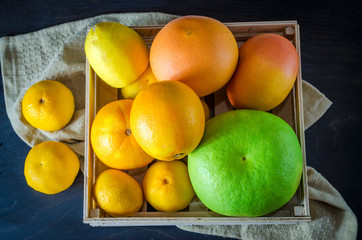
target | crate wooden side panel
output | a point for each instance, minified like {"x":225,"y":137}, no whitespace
{"x":98,"y":94}
{"x":300,"y":125}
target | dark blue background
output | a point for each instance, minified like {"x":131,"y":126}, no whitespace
{"x":331,"y":45}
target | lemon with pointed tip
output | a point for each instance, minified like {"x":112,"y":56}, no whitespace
{"x":117,"y":53}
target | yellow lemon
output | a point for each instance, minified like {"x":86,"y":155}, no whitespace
{"x":117,"y":53}
{"x":48,"y":105}
{"x":134,"y":88}
{"x":118,"y":193}
{"x":51,"y":167}
{"x":167,"y":186}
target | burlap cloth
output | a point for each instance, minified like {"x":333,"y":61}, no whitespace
{"x":58,"y":53}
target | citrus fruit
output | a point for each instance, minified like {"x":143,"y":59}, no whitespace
{"x":51,"y":167}
{"x":265,"y":74}
{"x":112,"y":138}
{"x":249,"y":163}
{"x":147,"y":78}
{"x":206,"y":109}
{"x":167,"y":186}
{"x":167,"y":120}
{"x":117,"y":53}
{"x":196,"y":50}
{"x":48,"y":105}
{"x":118,"y":193}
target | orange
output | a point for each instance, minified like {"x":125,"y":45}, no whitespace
{"x":117,"y":53}
{"x":265,"y":74}
{"x":167,"y":120}
{"x":118,"y":193}
{"x":48,"y":105}
{"x":51,"y":167}
{"x":167,"y":186}
{"x":112,"y":138}
{"x":147,"y":78}
{"x":196,"y":50}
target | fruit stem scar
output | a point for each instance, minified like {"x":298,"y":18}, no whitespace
{"x":128,"y":132}
{"x":188,"y":33}
{"x":244,"y":158}
{"x":166,"y":181}
{"x":178,"y":155}
{"x":42,"y":100}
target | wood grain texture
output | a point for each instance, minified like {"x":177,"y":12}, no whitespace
{"x":331,"y":47}
{"x":290,"y":110}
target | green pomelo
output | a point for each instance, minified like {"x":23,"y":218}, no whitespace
{"x":249,"y":163}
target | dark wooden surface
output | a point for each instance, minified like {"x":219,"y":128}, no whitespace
{"x":331,"y":44}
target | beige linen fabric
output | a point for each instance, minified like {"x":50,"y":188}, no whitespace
{"x":58,"y":53}
{"x":331,"y":219}
{"x":315,"y":104}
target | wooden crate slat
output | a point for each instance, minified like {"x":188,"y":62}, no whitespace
{"x":291,"y":110}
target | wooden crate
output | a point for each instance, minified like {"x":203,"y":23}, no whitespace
{"x":99,"y":93}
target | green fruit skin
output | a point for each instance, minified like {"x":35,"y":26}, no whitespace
{"x":249,"y":163}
